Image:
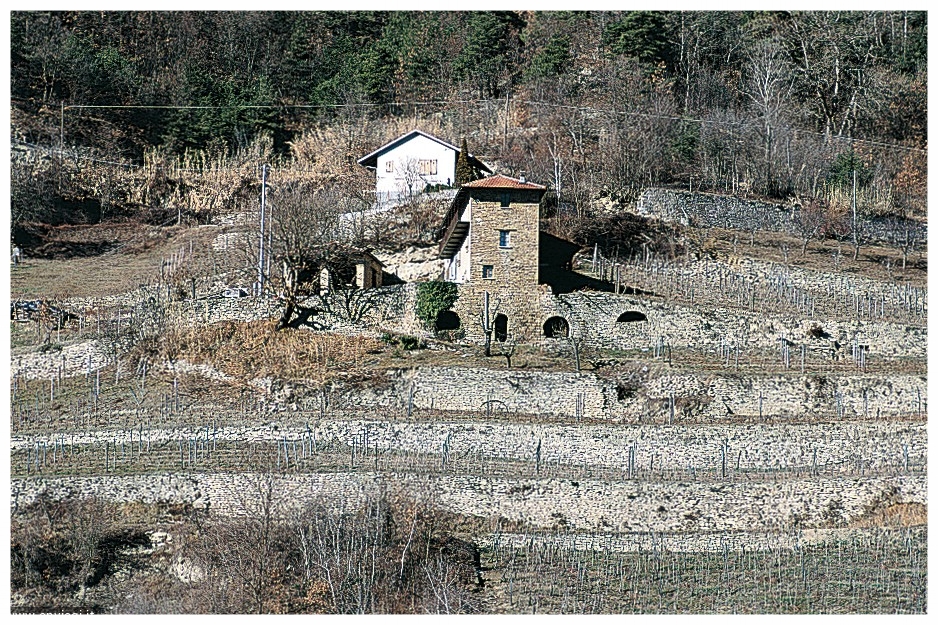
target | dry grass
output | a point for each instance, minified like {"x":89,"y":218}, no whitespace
{"x":894,"y":516}
{"x":136,"y":262}
{"x":251,"y":350}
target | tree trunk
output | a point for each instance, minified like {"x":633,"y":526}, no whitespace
{"x":287,"y":315}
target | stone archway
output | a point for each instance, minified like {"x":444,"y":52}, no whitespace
{"x":556,"y":328}
{"x":500,"y":326}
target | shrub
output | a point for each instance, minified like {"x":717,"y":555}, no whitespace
{"x":404,"y":341}
{"x":452,"y":335}
{"x":433,"y":298}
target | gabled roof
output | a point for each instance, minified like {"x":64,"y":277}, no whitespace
{"x":371,"y":160}
{"x":367,"y":255}
{"x":499,"y":181}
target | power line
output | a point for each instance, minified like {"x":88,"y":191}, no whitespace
{"x":675,"y":118}
{"x":745,"y":123}
{"x":270,"y":106}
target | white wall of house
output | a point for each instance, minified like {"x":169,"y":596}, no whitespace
{"x":409,"y":167}
{"x":457,"y":267}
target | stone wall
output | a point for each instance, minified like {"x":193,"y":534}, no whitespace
{"x":383,"y":308}
{"x":73,"y":359}
{"x":699,"y":397}
{"x":584,"y":505}
{"x":642,"y":450}
{"x":464,"y":389}
{"x":593,"y":315}
{"x":723,"y":211}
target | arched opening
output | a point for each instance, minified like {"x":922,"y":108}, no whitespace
{"x":447,"y":320}
{"x":556,"y":328}
{"x":501,"y":328}
{"x":630,"y":316}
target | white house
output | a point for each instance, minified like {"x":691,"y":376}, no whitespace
{"x":408,"y":164}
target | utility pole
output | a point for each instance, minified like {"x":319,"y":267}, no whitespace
{"x":505,"y":133}
{"x":486,"y":324}
{"x":853,"y":205}
{"x":270,"y":227}
{"x":260,"y":257}
{"x":61,"y":143}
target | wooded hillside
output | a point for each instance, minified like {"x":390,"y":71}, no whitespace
{"x":596,"y":104}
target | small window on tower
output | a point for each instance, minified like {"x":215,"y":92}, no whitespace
{"x":488,"y":272}
{"x":504,"y":238}
{"x":506,"y":199}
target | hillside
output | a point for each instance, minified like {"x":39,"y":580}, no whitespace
{"x":722,"y":406}
{"x":721,"y":458}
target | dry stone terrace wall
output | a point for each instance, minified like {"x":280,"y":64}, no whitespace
{"x":680,"y":542}
{"x":217,"y":309}
{"x":757,"y":285}
{"x":388,"y":307}
{"x":585,"y":505}
{"x":465,"y":389}
{"x":592,"y":316}
{"x":666,"y":507}
{"x":723,"y":211}
{"x":652,"y":449}
{"x":73,"y":359}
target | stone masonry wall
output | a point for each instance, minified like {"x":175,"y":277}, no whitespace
{"x":697,"y":396}
{"x":584,"y":505}
{"x":722,"y":211}
{"x":830,"y":448}
{"x":592,"y":315}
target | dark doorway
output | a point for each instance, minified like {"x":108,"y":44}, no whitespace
{"x":447,"y":320}
{"x":501,"y":328}
{"x":630,"y":316}
{"x":556,"y":328}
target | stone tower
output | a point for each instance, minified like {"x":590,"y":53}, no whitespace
{"x":491,"y":245}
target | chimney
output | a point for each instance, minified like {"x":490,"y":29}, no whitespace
{"x":521,"y":178}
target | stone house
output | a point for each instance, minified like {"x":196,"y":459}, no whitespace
{"x":412,"y":162}
{"x":493,"y":248}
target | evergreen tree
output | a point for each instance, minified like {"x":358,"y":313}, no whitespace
{"x":464,"y":172}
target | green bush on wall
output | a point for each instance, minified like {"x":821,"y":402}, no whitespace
{"x":433,"y":298}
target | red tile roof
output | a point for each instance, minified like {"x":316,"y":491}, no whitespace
{"x":499,"y":181}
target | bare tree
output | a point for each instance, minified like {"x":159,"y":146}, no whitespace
{"x":487,"y":319}
{"x":508,"y":348}
{"x":32,"y":186}
{"x":768,"y":85}
{"x":239,"y":556}
{"x":811,"y":220}
{"x":306,"y":237}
